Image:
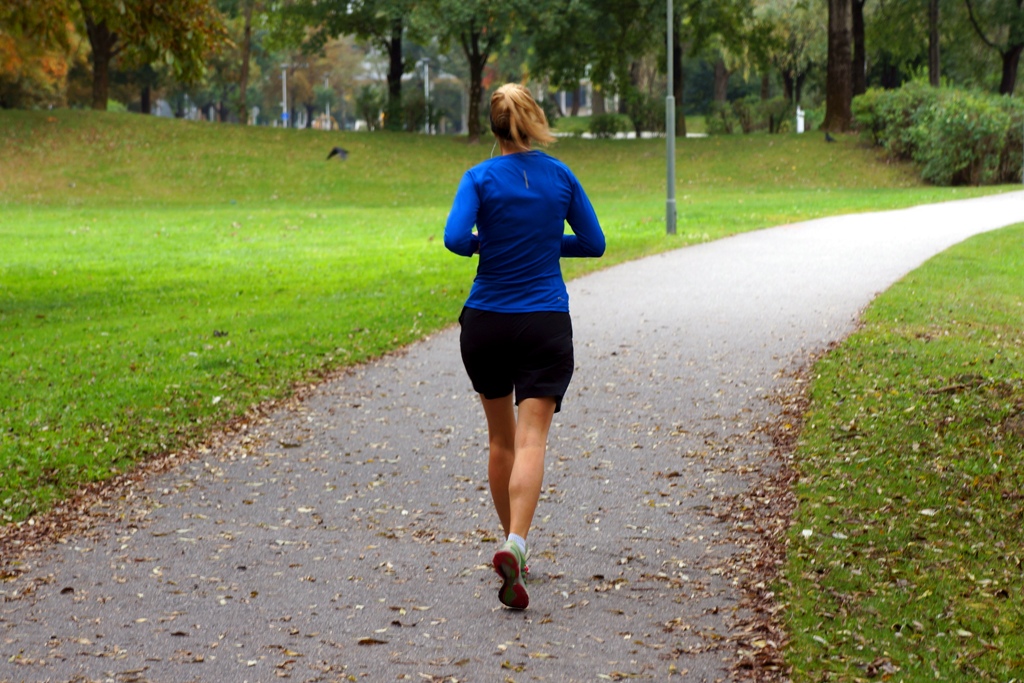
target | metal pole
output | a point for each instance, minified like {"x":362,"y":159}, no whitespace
{"x":426,"y":93}
{"x":670,"y":133}
{"x":284,"y":95}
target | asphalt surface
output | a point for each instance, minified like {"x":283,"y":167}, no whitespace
{"x":349,"y":537}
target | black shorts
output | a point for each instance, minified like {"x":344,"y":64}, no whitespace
{"x":528,"y":352}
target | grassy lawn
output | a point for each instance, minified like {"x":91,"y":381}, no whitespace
{"x":158,"y":277}
{"x":906,"y":554}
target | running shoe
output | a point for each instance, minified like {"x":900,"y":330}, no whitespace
{"x":508,"y":562}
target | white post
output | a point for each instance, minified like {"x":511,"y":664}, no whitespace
{"x":670,"y":134}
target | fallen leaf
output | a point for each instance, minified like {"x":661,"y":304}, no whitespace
{"x":371,"y":641}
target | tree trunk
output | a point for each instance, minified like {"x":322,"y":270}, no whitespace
{"x":860,"y":64}
{"x":103,"y":42}
{"x":396,"y":68}
{"x":597,"y":109}
{"x":146,"y":104}
{"x":934,"y":73}
{"x":243,"y":79}
{"x":839,"y":86}
{"x":766,"y":86}
{"x":721,"y":92}
{"x":471,"y":47}
{"x":576,"y":101}
{"x":1011,"y":60}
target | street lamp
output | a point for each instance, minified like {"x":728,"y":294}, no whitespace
{"x":425,"y":63}
{"x":670,"y":134}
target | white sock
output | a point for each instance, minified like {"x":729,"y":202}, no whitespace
{"x":519,"y":541}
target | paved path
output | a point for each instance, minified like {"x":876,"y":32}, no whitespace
{"x":351,"y":538}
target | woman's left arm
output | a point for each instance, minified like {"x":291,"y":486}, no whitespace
{"x":587,"y":238}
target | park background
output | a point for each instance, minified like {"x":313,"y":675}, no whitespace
{"x":161,"y":278}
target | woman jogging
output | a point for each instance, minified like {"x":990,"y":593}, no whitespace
{"x":516,"y":333}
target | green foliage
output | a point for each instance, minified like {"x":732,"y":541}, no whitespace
{"x":721,"y":119}
{"x":750,"y":113}
{"x":775,"y":112}
{"x":959,"y":140}
{"x":369,"y":101}
{"x":911,"y":467}
{"x":955,"y":137}
{"x":132,"y":244}
{"x":646,"y":112}
{"x":608,"y":125}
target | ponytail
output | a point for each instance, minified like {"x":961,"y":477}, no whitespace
{"x":517,"y":118}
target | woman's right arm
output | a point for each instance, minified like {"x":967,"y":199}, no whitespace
{"x":458,"y":231}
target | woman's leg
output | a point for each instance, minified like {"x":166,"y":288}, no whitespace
{"x":501,"y":432}
{"x":524,"y":486}
{"x":516,"y":466}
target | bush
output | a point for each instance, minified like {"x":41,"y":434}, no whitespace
{"x":959,"y":139}
{"x":607,"y":125}
{"x":646,"y":112}
{"x":955,"y":137}
{"x":776,"y":112}
{"x":721,"y":120}
{"x":751,"y":114}
{"x":748,"y":113}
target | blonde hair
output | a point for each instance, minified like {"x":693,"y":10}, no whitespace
{"x":517,"y":119}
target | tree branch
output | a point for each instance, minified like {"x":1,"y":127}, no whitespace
{"x":977,"y":28}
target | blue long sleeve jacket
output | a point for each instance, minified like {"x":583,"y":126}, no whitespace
{"x":519,"y":204}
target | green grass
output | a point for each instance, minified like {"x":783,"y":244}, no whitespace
{"x":912,"y":483}
{"x":158,"y":277}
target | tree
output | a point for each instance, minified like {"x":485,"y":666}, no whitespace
{"x":796,"y":42}
{"x":859,"y":76}
{"x":381,"y":22}
{"x":1000,"y":25}
{"x":934,"y":69}
{"x":839,"y":85}
{"x":479,"y":27}
{"x":35,"y":52}
{"x":562,"y":40}
{"x":247,"y":9}
{"x":176,"y":32}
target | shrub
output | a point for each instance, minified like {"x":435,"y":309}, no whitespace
{"x":959,"y":138}
{"x":607,"y":125}
{"x":775,"y":112}
{"x":748,"y":111}
{"x":721,"y":119}
{"x":955,"y":137}
{"x":646,"y":112}
{"x":1011,"y":160}
{"x":751,"y":114}
{"x":369,"y":101}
